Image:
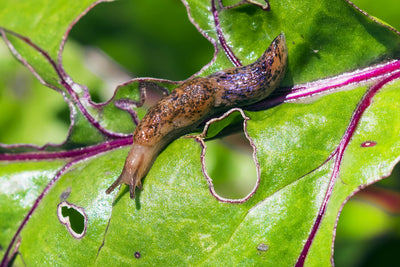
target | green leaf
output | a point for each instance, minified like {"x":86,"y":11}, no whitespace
{"x":21,"y":184}
{"x":307,"y":168}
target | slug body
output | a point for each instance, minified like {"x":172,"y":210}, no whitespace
{"x":194,"y":101}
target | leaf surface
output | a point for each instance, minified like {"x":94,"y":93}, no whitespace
{"x":313,"y":150}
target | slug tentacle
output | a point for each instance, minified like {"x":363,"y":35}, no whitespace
{"x":194,"y":101}
{"x":137,"y":164}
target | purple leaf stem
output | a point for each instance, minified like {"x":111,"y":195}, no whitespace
{"x":3,"y":33}
{"x":333,"y":84}
{"x":338,"y":154}
{"x":229,"y":53}
{"x":369,"y":74}
{"x":6,"y":259}
{"x":356,"y":78}
{"x":65,"y":81}
{"x":69,"y":84}
{"x":79,"y":152}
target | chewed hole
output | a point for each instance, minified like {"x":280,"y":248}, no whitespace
{"x":73,"y":217}
{"x":230,"y":164}
{"x":76,"y":219}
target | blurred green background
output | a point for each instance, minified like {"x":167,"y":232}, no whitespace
{"x":155,"y":38}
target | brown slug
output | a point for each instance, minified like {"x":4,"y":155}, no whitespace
{"x":194,"y":101}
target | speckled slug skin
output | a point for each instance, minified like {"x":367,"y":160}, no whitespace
{"x":194,"y":101}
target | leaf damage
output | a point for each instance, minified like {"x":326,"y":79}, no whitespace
{"x":73,"y":217}
{"x":201,"y":139}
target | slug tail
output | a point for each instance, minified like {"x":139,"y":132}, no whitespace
{"x":246,"y":85}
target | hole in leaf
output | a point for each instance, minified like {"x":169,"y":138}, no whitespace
{"x":365,"y":225}
{"x":230,"y":166}
{"x":76,"y":219}
{"x":73,"y":217}
{"x":229,"y":162}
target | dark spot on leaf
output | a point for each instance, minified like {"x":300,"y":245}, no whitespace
{"x":262,"y":247}
{"x":65,"y":194}
{"x":137,"y":255}
{"x":73,"y":217}
{"x":368,"y":144}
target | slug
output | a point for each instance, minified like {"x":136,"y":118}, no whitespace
{"x":195,"y":100}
